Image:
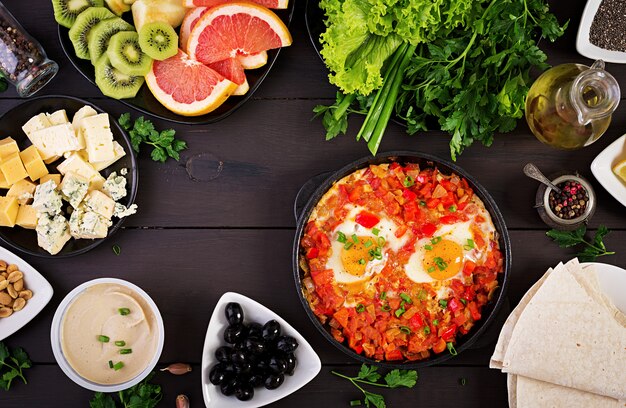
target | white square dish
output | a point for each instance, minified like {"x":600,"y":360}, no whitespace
{"x":42,"y":293}
{"x":308,"y":366}
{"x":585,"y":47}
{"x":602,"y":169}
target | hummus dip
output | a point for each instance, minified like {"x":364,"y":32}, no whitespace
{"x":99,"y":317}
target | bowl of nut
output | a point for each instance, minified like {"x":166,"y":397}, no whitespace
{"x":23,"y":293}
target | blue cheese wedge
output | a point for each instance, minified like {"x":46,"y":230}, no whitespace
{"x":53,"y":232}
{"x":86,"y":224}
{"x":100,"y":203}
{"x":122,"y":211}
{"x":75,"y":163}
{"x":74,"y":188}
{"x":47,"y":200}
{"x":115,"y":187}
{"x":98,"y":138}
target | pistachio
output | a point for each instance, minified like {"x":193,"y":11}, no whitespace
{"x":15,"y":276}
{"x":5,"y":299}
{"x":5,"y":312}
{"x":12,"y":292}
{"x":12,"y":268}
{"x":19,"y":304}
{"x":4,"y":284}
{"x":26,"y":294}
{"x":19,"y":285}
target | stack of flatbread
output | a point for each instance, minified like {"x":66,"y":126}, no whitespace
{"x":564,"y":345}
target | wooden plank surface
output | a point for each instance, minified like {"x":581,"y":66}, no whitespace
{"x":230,"y":225}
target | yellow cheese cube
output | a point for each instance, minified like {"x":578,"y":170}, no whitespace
{"x":8,"y":211}
{"x":26,"y":217}
{"x":13,"y":169}
{"x":8,"y":147}
{"x":23,"y":190}
{"x":35,"y":167}
{"x":54,"y":177}
{"x":3,"y":181}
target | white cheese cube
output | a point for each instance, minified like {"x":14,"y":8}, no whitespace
{"x":119,"y":152}
{"x":115,"y":186}
{"x":98,"y":138}
{"x":100,"y":203}
{"x":47,"y":199}
{"x":55,"y":140}
{"x":36,"y":123}
{"x":58,"y":118}
{"x":84,"y":112}
{"x":74,"y":188}
{"x":122,"y":211}
{"x":75,"y":163}
{"x":88,"y":224}
{"x":52,"y":233}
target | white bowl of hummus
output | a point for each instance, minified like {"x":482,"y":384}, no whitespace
{"x":107,"y":335}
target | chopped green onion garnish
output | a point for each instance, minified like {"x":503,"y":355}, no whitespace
{"x":355,"y":403}
{"x":124,"y":311}
{"x":369,"y":244}
{"x":361,"y":261}
{"x":452,"y":208}
{"x":405,"y":330}
{"x":431,"y":269}
{"x":120,"y":343}
{"x":126,"y":351}
{"x":463,"y":381}
{"x":441,"y":264}
{"x":375,"y":231}
{"x":443,"y":303}
{"x":406,"y":298}
{"x":355,"y":239}
{"x":408,"y":181}
{"x":110,"y":364}
{"x":347,"y":245}
{"x":423,"y":203}
{"x":360,"y":308}
{"x":383,"y":295}
{"x":470,"y":245}
{"x":435,"y":322}
{"x":435,"y":240}
{"x":103,"y":339}
{"x":118,"y":366}
{"x":341,"y":237}
{"x":116,"y":249}
{"x":400,"y":312}
{"x":428,"y":247}
{"x":385,"y":308}
{"x":427,"y":330}
{"x":381,"y":241}
{"x":451,"y":349}
{"x":464,"y":301}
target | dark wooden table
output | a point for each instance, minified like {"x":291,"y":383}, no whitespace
{"x":232,"y":231}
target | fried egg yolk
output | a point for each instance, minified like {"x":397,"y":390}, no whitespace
{"x":444,"y":260}
{"x":355,"y":258}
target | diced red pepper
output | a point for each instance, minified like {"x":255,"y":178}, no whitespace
{"x":449,"y":333}
{"x":439,"y":346}
{"x":358,"y":349}
{"x":448,"y":200}
{"x":469,"y":293}
{"x":400,"y":231}
{"x":432,"y":202}
{"x":468,"y":268}
{"x":416,"y":322}
{"x":367,"y":219}
{"x":312,"y":253}
{"x":342,"y":317}
{"x":428,"y":229}
{"x":454,"y":305}
{"x":448,"y":219}
{"x":355,"y":194}
{"x":474,"y":311}
{"x":460,"y":319}
{"x":409,"y":195}
{"x":395,"y":354}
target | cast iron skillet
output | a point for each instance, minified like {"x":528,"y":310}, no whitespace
{"x":308,"y":198}
{"x":11,"y":122}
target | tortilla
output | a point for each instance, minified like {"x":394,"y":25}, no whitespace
{"x":511,"y":383}
{"x":565,"y":336}
{"x":534,"y":393}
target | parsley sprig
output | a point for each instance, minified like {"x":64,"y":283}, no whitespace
{"x":12,"y":364}
{"x":591,"y":251}
{"x":142,"y":395}
{"x":369,"y":375}
{"x":163,"y":143}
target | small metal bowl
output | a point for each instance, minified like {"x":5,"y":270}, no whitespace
{"x":550,"y":218}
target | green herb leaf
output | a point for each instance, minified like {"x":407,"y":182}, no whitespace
{"x":368,"y":373}
{"x":101,"y":400}
{"x":591,"y":250}
{"x":376,"y":400}
{"x":142,"y":131}
{"x":401,"y":378}
{"x":12,"y":364}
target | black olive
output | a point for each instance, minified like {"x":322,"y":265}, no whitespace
{"x":261,"y":366}
{"x":218,"y":374}
{"x":291,"y":361}
{"x":286,"y":344}
{"x":255,"y":330}
{"x":234,"y":333}
{"x":229,"y":387}
{"x":234,"y":313}
{"x":223,"y":353}
{"x":255,"y":346}
{"x":243,"y":368}
{"x":244,"y":393}
{"x":238,"y":357}
{"x":271,"y":330}
{"x":273,"y":381}
{"x":256,"y":380}
{"x":277,"y":365}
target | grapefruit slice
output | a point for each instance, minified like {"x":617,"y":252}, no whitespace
{"x":230,"y":69}
{"x":242,"y":89}
{"x":273,"y":4}
{"x":253,"y":61}
{"x":190,"y":20}
{"x":188,"y":87}
{"x":229,"y":29}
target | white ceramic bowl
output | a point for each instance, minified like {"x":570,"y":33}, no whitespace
{"x":586,"y":48}
{"x":42,"y":293}
{"x":602,"y":169}
{"x":612,"y":281}
{"x":55,"y":337}
{"x":308,"y":366}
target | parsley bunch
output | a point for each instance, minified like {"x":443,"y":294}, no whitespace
{"x":163,"y":143}
{"x":592,"y":249}
{"x":12,"y":364}
{"x":370,"y":376}
{"x":142,"y":395}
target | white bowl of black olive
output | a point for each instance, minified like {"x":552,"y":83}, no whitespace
{"x":252,"y":357}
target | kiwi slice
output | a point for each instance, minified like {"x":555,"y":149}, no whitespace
{"x":66,"y":11}
{"x":101,"y":33}
{"x":158,"y":40}
{"x":113,"y":83}
{"x":125,"y":54}
{"x":84,"y":23}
